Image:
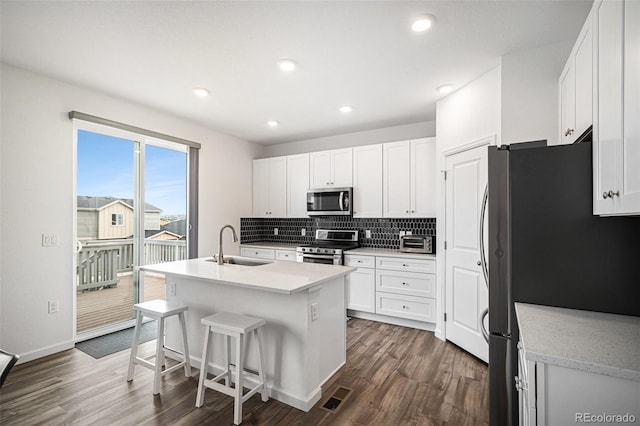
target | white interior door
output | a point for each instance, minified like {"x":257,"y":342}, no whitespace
{"x":466,"y":291}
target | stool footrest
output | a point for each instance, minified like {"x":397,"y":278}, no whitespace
{"x":220,"y":387}
{"x":144,"y":363}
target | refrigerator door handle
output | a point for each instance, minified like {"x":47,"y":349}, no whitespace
{"x":483,"y":256}
{"x":484,"y":331}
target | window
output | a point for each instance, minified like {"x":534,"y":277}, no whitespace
{"x":117,"y":219}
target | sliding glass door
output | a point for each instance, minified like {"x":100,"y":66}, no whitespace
{"x":131,"y":209}
{"x":165,"y":216}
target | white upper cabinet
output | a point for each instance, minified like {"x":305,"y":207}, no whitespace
{"x":397,"y":179}
{"x":616,"y":137}
{"x":270,"y":187}
{"x":409,"y":178}
{"x":423,"y":177}
{"x":297,"y":184}
{"x":330,"y":169}
{"x":576,"y":87}
{"x":367,"y":181}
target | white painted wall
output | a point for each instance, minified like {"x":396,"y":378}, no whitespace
{"x":471,"y":113}
{"x":530,"y":93}
{"x":368,"y":137}
{"x":36,"y":177}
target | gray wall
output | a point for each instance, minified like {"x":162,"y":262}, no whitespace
{"x":368,"y":137}
{"x":530,"y":106}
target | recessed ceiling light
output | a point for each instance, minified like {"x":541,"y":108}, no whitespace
{"x":287,"y":65}
{"x":273,"y":123}
{"x":423,"y":23}
{"x":445,"y":88}
{"x":346,"y":109}
{"x":201,"y":91}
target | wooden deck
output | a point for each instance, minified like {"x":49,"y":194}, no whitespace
{"x":99,"y":308}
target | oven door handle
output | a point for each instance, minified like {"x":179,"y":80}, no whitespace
{"x":320,"y":256}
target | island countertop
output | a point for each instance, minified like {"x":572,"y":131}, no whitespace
{"x":278,"y":277}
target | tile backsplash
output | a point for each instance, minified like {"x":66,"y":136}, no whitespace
{"x":385,"y":232}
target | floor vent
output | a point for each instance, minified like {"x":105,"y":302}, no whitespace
{"x":336,"y":399}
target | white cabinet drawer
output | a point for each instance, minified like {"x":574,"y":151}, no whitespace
{"x":404,"y":264}
{"x":360,"y":261}
{"x":289,"y":255}
{"x":403,"y":306}
{"x":257,"y":252}
{"x":410,"y":283}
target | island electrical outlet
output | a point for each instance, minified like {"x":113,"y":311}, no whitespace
{"x":314,"y":311}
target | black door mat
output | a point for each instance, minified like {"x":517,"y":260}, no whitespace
{"x":115,"y":342}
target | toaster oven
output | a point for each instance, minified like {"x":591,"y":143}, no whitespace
{"x":418,"y":244}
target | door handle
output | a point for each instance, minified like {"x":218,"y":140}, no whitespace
{"x":483,"y":257}
{"x":484,"y":331}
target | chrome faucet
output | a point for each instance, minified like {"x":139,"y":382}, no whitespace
{"x":235,"y":240}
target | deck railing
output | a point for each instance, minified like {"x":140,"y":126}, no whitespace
{"x":100,"y":262}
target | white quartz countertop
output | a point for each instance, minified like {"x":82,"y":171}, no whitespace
{"x":367,"y":251}
{"x":582,"y":340}
{"x":272,"y":245}
{"x":279,"y":276}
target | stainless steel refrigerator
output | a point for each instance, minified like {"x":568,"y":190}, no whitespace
{"x":546,"y":247}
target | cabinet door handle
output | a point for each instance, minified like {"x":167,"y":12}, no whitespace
{"x":568,"y":132}
{"x":611,"y":194}
{"x":605,"y":195}
{"x":405,"y":284}
{"x":405,"y":307}
{"x":407,"y":211}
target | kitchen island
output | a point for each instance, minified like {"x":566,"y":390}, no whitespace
{"x":302,"y":303}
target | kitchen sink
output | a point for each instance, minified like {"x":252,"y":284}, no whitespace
{"x":241,"y":260}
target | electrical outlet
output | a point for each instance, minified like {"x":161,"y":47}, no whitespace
{"x":314,"y":311}
{"x":49,"y":240}
{"x":53,"y":306}
{"x":367,"y":233}
{"x":303,"y":232}
{"x":275,"y":231}
{"x":172,"y":289}
{"x":408,"y":233}
{"x":402,"y":233}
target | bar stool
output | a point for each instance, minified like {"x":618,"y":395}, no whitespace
{"x":158,"y":310}
{"x":237,"y":326}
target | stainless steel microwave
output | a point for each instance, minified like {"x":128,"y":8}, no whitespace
{"x":330,"y":202}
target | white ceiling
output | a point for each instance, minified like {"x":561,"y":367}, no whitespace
{"x":349,"y":52}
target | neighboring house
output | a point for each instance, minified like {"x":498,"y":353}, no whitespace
{"x":161,"y":235}
{"x":101,"y":218}
{"x":177,"y":227}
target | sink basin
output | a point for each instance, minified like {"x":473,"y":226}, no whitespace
{"x":243,"y":261}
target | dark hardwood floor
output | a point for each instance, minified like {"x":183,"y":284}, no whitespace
{"x":396,"y":376}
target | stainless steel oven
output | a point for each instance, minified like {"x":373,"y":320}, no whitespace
{"x":327,"y":259}
{"x":328,"y":247}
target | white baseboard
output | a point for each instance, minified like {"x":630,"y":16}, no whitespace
{"x":392,"y":320}
{"x":46,"y":351}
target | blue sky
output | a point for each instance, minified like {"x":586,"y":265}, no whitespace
{"x":105,"y":168}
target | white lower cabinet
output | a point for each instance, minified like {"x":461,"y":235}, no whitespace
{"x":287,"y":255}
{"x":361,"y":283}
{"x":260,"y":253}
{"x":403,"y":306}
{"x":393,"y":286}
{"x":550,"y":394}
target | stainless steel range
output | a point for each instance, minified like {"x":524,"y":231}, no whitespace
{"x":328,"y":247}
